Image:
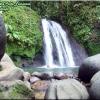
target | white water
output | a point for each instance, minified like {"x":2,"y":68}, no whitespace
{"x":54,"y":33}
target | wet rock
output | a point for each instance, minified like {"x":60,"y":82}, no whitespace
{"x":34,"y":79}
{"x":37,"y":74}
{"x":60,"y":76}
{"x":95,"y":90}
{"x":51,"y":74}
{"x":90,"y":66}
{"x":2,"y":38}
{"x":66,"y":89}
{"x":45,"y":76}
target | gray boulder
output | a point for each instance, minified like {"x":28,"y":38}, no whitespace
{"x":9,"y":70}
{"x":95,"y":77}
{"x":66,"y":89}
{"x":43,"y":76}
{"x":95,"y":86}
{"x":11,"y":74}
{"x":95,"y":90}
{"x":89,"y":67}
{"x":2,"y":37}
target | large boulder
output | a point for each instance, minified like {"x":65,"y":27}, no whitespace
{"x":2,"y":37}
{"x":89,"y":67}
{"x":95,"y":86}
{"x":11,"y":74}
{"x":66,"y":89}
{"x":95,"y":77}
{"x":95,"y":90}
{"x":15,"y":90}
{"x":9,"y":70}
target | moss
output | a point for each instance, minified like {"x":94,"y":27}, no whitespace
{"x":0,"y":68}
{"x":1,"y":95}
{"x":20,"y":91}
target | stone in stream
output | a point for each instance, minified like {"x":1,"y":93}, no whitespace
{"x":2,"y":38}
{"x":43,"y":76}
{"x":33,"y":79}
{"x":66,"y":89}
{"x":37,"y":74}
{"x":60,"y":76}
{"x":89,"y":67}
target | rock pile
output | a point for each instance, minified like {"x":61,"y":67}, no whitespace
{"x":14,"y":81}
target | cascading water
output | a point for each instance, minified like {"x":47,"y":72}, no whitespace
{"x":54,"y":33}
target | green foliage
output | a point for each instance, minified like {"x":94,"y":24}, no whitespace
{"x":80,"y":16}
{"x":81,"y":19}
{"x":45,"y":8}
{"x":15,"y":91}
{"x":24,"y":37}
{"x":94,"y":48}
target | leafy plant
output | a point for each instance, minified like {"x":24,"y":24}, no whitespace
{"x":24,"y":37}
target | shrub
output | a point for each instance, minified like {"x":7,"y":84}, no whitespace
{"x":24,"y":37}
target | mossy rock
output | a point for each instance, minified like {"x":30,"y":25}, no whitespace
{"x":24,"y":37}
{"x":0,"y":68}
{"x":15,"y":90}
{"x":20,"y":91}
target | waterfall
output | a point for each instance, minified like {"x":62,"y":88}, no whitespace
{"x":55,"y":35}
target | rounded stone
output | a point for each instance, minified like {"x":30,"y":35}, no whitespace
{"x":34,"y":79}
{"x":37,"y":74}
{"x":89,"y":67}
{"x":60,"y":76}
{"x":26,"y":76}
{"x":95,"y":77}
{"x":45,"y":76}
{"x":66,"y":89}
{"x":95,"y":90}
{"x":40,"y":85}
{"x":2,"y":37}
